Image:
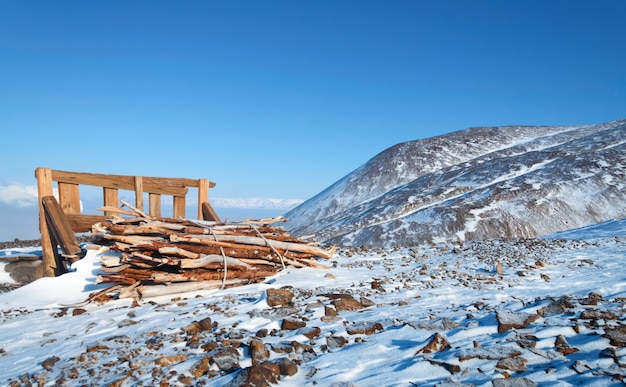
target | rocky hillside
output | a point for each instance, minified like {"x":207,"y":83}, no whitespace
{"x":513,"y":181}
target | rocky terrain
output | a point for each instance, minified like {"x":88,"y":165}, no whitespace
{"x":501,"y":312}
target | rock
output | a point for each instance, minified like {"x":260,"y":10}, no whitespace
{"x":170,"y":360}
{"x":279,"y":297}
{"x":50,"y":362}
{"x":563,"y":346}
{"x":347,"y":303}
{"x":616,"y":335}
{"x":609,"y":353}
{"x":451,"y":368}
{"x":580,"y":367}
{"x":436,"y":343}
{"x":25,"y":272}
{"x":509,"y":320}
{"x":226,"y":359}
{"x":287,"y":366}
{"x":258,"y":351}
{"x":336,"y":341}
{"x":258,"y":375}
{"x":364,"y":328}
{"x":205,"y":324}
{"x":292,"y":324}
{"x":513,"y":382}
{"x":559,"y":306}
{"x":310,"y":332}
{"x":491,"y":353}
{"x":201,"y":367}
{"x":595,"y":314}
{"x":444,"y":324}
{"x":282,"y":348}
{"x":526,"y":341}
{"x":515,"y":364}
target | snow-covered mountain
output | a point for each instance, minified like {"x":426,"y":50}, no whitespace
{"x":511,"y":181}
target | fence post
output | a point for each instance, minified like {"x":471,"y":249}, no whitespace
{"x":44,"y":188}
{"x":203,"y":195}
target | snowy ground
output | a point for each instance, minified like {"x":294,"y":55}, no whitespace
{"x":518,"y":312}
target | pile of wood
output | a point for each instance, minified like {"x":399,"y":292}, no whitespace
{"x":157,"y":256}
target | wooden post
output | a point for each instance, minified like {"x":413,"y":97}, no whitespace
{"x":110,"y":199}
{"x":203,"y":195}
{"x":139,"y":192}
{"x":69,"y":198}
{"x":44,"y":188}
{"x":179,"y":207}
{"x":154,"y":204}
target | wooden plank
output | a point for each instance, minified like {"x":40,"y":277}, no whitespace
{"x":110,"y":198}
{"x":69,"y":198}
{"x":203,"y":195}
{"x":154,"y":204}
{"x":83,"y":222}
{"x":159,"y":185}
{"x":179,"y":207}
{"x":61,"y":231}
{"x":139,"y":193}
{"x":208,"y":213}
{"x":44,"y":188}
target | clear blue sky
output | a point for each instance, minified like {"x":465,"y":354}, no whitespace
{"x":282,"y":98}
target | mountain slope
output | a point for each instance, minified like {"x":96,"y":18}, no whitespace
{"x":514,"y":181}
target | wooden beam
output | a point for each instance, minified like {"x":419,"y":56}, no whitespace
{"x":44,"y":188}
{"x":61,"y":231}
{"x":83,"y":222}
{"x":208,"y":213}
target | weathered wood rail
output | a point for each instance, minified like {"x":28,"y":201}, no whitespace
{"x":59,"y":221}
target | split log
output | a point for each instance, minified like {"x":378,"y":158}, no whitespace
{"x":143,"y":291}
{"x":208,"y":259}
{"x":202,"y":275}
{"x":290,"y":246}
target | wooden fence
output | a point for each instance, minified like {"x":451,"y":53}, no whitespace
{"x":60,"y":220}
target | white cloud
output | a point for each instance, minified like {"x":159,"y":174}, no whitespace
{"x":256,"y":203}
{"x":22,"y":195}
{"x":19,"y":195}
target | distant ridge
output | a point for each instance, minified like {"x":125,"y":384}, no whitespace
{"x":485,"y":182}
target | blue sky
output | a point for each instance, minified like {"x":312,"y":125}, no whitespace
{"x":280,"y":99}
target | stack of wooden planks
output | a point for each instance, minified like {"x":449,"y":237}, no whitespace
{"x":158,"y":256}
